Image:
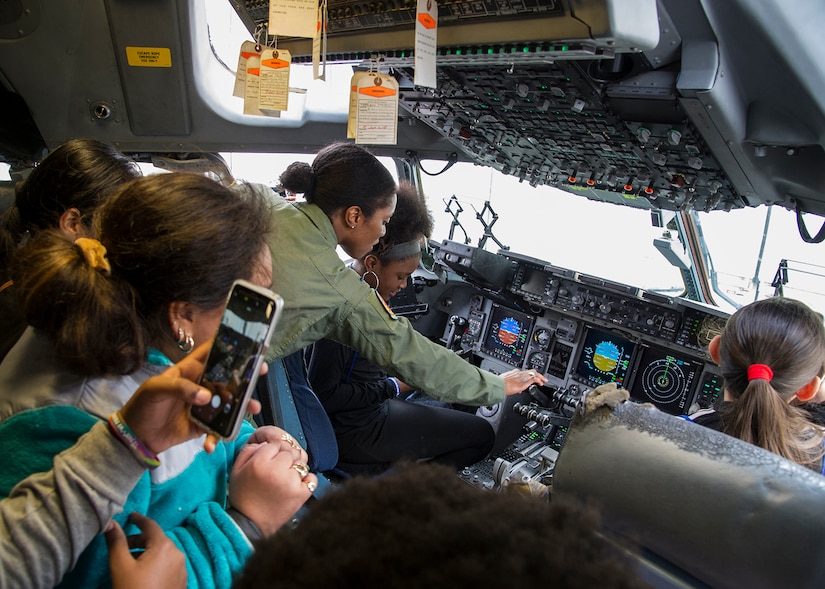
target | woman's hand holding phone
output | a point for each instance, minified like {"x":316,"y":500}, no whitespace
{"x":158,"y":412}
{"x":234,"y":362}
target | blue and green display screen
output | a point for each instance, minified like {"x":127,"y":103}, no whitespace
{"x":604,"y":358}
{"x":507,"y":335}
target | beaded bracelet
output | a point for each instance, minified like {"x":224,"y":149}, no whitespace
{"x":122,"y":431}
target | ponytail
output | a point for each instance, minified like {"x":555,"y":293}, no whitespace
{"x":86,"y":311}
{"x":760,"y":416}
{"x":769,"y":350}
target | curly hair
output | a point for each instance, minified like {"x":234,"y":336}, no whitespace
{"x":421,"y":526}
{"x":411,"y":220}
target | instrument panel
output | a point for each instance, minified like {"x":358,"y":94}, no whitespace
{"x":580,"y":332}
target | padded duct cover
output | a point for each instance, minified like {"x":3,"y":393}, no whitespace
{"x":727,"y":512}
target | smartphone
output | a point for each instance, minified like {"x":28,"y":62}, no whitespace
{"x":234,"y":362}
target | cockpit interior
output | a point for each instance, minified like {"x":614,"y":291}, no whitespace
{"x":669,"y":106}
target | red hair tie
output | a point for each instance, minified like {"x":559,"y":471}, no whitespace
{"x":756,"y":371}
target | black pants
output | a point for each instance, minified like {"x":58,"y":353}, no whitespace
{"x":411,"y":432}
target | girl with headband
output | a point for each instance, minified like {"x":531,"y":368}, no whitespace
{"x":771,"y":355}
{"x":373,"y":424}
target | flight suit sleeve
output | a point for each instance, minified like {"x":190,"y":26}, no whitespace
{"x":392,"y":343}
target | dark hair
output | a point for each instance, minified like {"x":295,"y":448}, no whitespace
{"x":168,"y":237}
{"x":789,"y":337}
{"x":421,"y":526}
{"x":342,"y":175}
{"x":80,"y":173}
{"x":411,"y":221}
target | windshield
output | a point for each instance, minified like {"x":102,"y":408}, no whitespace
{"x":747,"y":249}
{"x":564,"y":229}
{"x":483,"y":207}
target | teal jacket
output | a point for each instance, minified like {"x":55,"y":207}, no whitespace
{"x":325,"y":299}
{"x":45,"y":409}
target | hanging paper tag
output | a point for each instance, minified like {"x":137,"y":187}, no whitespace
{"x":293,"y":18}
{"x":426,"y":29}
{"x":319,"y":44}
{"x":252,"y":88}
{"x":274,"y":84}
{"x":248,"y":49}
{"x":377,"y":110}
{"x":352,"y":118}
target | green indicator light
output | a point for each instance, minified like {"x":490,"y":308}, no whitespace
{"x":565,"y":47}
{"x":458,"y":51}
{"x":490,"y":51}
{"x":525,"y":50}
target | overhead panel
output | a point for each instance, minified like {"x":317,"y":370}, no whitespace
{"x":357,"y":29}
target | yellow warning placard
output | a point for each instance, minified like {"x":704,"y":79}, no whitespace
{"x":149,"y":56}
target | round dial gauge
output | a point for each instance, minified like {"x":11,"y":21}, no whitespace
{"x":542,"y":337}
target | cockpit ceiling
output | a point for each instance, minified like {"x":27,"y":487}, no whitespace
{"x":565,"y":93}
{"x":655,"y":104}
{"x":552,"y":124}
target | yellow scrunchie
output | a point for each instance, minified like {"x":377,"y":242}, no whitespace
{"x":95,"y":253}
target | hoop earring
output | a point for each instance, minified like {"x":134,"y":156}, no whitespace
{"x":186,"y":342}
{"x":364,"y":279}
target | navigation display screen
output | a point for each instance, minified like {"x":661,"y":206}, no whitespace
{"x":534,"y":281}
{"x":666,"y":380}
{"x":507,"y":335}
{"x":604,"y":358}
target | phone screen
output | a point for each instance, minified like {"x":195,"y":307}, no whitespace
{"x":234,"y":361}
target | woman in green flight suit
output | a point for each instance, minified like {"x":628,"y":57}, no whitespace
{"x":350,"y":196}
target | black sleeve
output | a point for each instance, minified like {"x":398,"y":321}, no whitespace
{"x":331,"y":379}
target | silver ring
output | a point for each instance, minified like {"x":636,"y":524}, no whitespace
{"x":311,"y":486}
{"x":301,"y":468}
{"x":532,"y":374}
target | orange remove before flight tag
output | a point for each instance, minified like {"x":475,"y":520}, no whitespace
{"x":426,"y":20}
{"x":275,"y":64}
{"x":377,"y":91}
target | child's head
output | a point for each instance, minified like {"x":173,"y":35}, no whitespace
{"x":398,"y":252}
{"x":771,"y":354}
{"x":784,"y":334}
